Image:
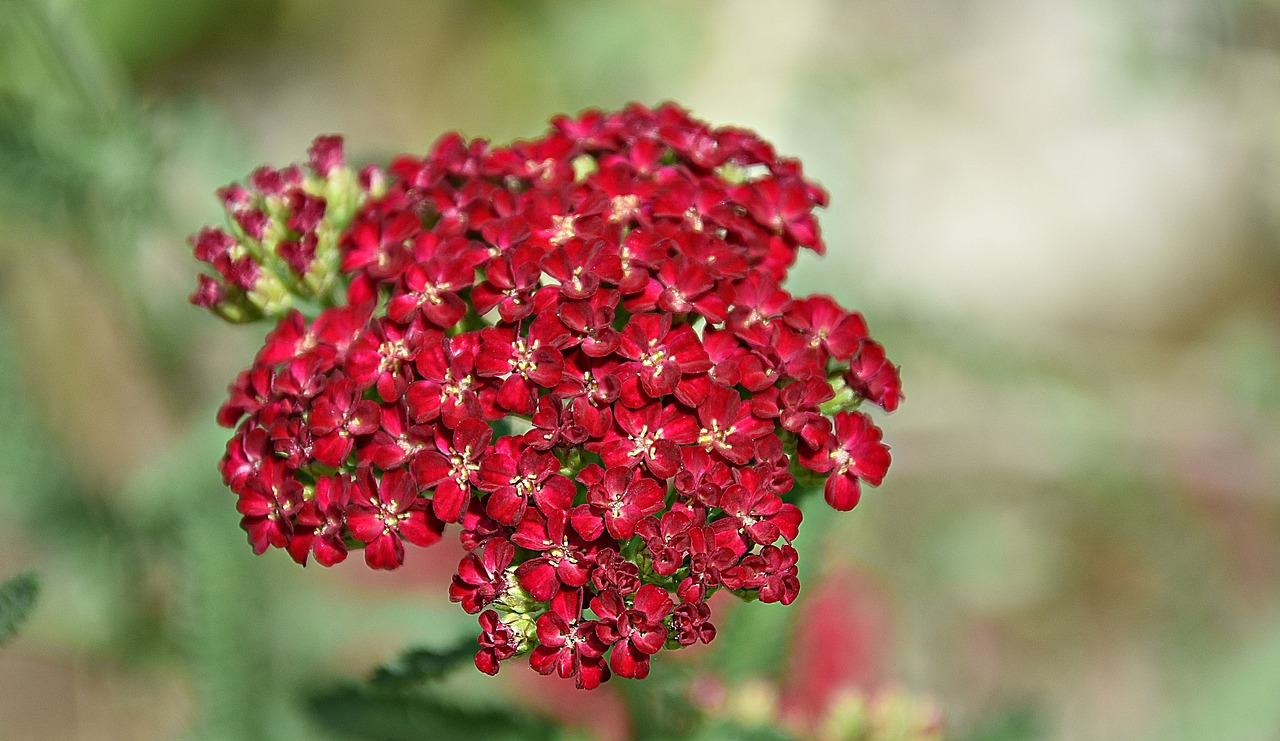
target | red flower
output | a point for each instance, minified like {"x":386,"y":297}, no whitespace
{"x":564,"y":560}
{"x":650,"y":435}
{"x":691,"y":623}
{"x":728,"y":427}
{"x":385,"y":512}
{"x":326,"y":155}
{"x":617,"y":502}
{"x":246,"y":395}
{"x":667,"y":539}
{"x":512,"y":280}
{"x":874,"y":378}
{"x":784,"y":205}
{"x":208,"y":293}
{"x":591,"y":322}
{"x":498,"y":642}
{"x":514,"y":483}
{"x":431,"y":288}
{"x":609,"y":298}
{"x":375,"y":241}
{"x":449,"y":388}
{"x":854,"y":453}
{"x":701,"y":478}
{"x":687,"y":285}
{"x":824,"y":324}
{"x":641,"y":252}
{"x":245,"y":455}
{"x":530,"y":361}
{"x":328,"y":337}
{"x":778,"y":575}
{"x":636,"y":633}
{"x":798,"y":408}
{"x":397,"y":442}
{"x":481,"y":578}
{"x":757,"y":303}
{"x":321,"y":523}
{"x":268,"y":503}
{"x":591,"y":387}
{"x":662,"y":354}
{"x":614,"y":572}
{"x":758,"y":512}
{"x":339,"y":415}
{"x":454,"y":469}
{"x":580,"y":268}
{"x":554,"y":426}
{"x":571,"y":646}
{"x":711,"y":551}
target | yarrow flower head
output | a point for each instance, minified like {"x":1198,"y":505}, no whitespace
{"x":577,"y":349}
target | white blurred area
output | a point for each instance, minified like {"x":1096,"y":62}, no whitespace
{"x":1015,"y":165}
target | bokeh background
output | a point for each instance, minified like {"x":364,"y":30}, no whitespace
{"x":1061,"y":217}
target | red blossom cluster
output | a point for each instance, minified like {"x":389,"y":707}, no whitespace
{"x":576,"y":348}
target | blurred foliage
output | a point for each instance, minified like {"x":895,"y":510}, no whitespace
{"x":725,"y":731}
{"x":410,"y":699}
{"x":1017,"y":724}
{"x":397,"y":703}
{"x":17,"y":597}
{"x":381,"y":716}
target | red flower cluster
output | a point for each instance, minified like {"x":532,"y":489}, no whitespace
{"x":577,"y":348}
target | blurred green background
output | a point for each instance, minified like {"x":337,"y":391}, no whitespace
{"x":1060,"y":217}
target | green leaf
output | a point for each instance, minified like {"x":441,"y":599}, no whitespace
{"x":17,"y":597}
{"x":1019,"y":723}
{"x":658,"y":707}
{"x":366,"y":712}
{"x":400,"y":702}
{"x":726,"y":731}
{"x":419,"y":665}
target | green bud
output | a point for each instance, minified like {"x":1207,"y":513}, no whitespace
{"x":844,"y":400}
{"x":583,"y":166}
{"x":734,"y":174}
{"x":271,"y":295}
{"x":515,"y":598}
{"x":524,"y":626}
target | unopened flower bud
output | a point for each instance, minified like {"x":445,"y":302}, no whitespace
{"x":515,"y":598}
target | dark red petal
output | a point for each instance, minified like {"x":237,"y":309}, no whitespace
{"x":556,"y":495}
{"x":450,"y":501}
{"x":384,"y":552}
{"x":588,"y":525}
{"x":649,"y":638}
{"x":447,"y":313}
{"x":487,"y":662}
{"x":573,"y":573}
{"x":332,"y":450}
{"x":430,"y":468}
{"x":626,"y":661}
{"x":539,"y":577}
{"x":591,"y":673}
{"x":842,"y":492}
{"x":653,"y":601}
{"x":496,"y":472}
{"x":666,"y":459}
{"x":421,"y":528}
{"x":329,"y":550}
{"x":364,"y":523}
{"x":505,"y":505}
